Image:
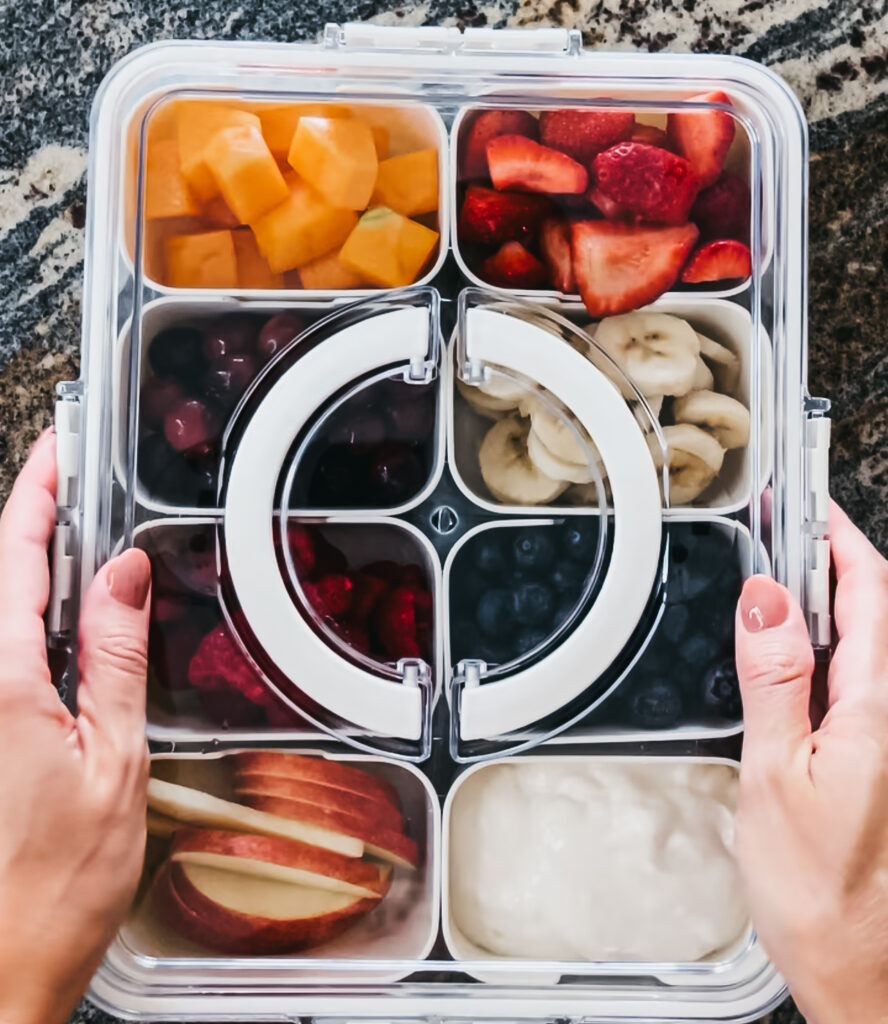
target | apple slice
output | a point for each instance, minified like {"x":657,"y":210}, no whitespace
{"x":160,"y":824}
{"x":316,"y":769}
{"x":379,"y":841}
{"x":197,"y":808}
{"x":272,"y":857}
{"x":326,"y":796}
{"x":238,"y":914}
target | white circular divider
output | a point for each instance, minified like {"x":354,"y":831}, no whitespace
{"x":501,"y":706}
{"x":372,"y":702}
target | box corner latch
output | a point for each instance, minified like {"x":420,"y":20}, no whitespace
{"x":60,"y":612}
{"x":817,"y":426}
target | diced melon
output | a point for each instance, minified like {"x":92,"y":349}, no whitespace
{"x":252,"y":269}
{"x":301,"y":229}
{"x":207,"y":260}
{"x":387,"y":248}
{"x":245,"y":171}
{"x":279,"y":122}
{"x":338,"y":157}
{"x":380,"y":140}
{"x":408,"y":183}
{"x":198,"y":122}
{"x":166,"y":193}
{"x":218,"y":214}
{"x":163,"y":122}
{"x":328,"y":273}
{"x":154,"y":239}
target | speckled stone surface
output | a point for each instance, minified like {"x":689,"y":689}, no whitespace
{"x":54,"y":53}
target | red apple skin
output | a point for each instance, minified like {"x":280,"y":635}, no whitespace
{"x":316,"y":769}
{"x":276,"y":850}
{"x":386,"y":843}
{"x":342,"y":800}
{"x":190,"y":914}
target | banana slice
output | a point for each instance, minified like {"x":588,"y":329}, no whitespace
{"x":703,"y":379}
{"x":553,"y":465}
{"x":504,"y":388}
{"x":722,"y":416}
{"x":658,"y":352}
{"x":510,"y":474}
{"x":724,"y":363}
{"x":557,"y":434}
{"x":695,"y":459}
{"x":489,"y":406}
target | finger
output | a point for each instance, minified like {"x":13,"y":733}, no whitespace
{"x":775,"y":663}
{"x":26,"y":529}
{"x":114,"y":653}
{"x":861,"y":597}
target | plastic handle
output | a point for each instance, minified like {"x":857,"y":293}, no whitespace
{"x":355,"y":695}
{"x":499,"y":707}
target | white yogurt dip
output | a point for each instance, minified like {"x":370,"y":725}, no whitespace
{"x":596,"y":860}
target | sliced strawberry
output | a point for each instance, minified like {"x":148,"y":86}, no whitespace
{"x":703,"y":137}
{"x":619,"y":267}
{"x":368,"y":590}
{"x":231,"y":690}
{"x":386,"y":570}
{"x":512,"y":266}
{"x":328,"y":559}
{"x":489,"y":217}
{"x":486,"y":126}
{"x":355,"y":636}
{"x":718,"y":261}
{"x":583,"y":133}
{"x":656,"y":185}
{"x":608,"y":207}
{"x":649,"y":135}
{"x":413,"y":575}
{"x":331,"y":596}
{"x":302,"y":548}
{"x":555,"y":248}
{"x":395,"y":622}
{"x":723,"y":209}
{"x":518,"y":162}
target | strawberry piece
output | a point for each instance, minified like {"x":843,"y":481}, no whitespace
{"x":723,"y":209}
{"x":583,"y":133}
{"x":223,"y":674}
{"x":512,"y":266}
{"x":620,"y":267}
{"x":486,"y":126}
{"x":718,"y":261}
{"x":652,"y":183}
{"x":413,"y":575}
{"x":385,"y":569}
{"x":555,"y":249}
{"x":331,"y":596}
{"x":489,"y":217}
{"x":356,"y":637}
{"x":649,"y":135}
{"x":608,"y":207}
{"x":229,"y":708}
{"x":518,"y":162}
{"x":367,"y":592}
{"x":328,"y":559}
{"x":396,"y":624}
{"x":302,"y":548}
{"x":703,"y":137}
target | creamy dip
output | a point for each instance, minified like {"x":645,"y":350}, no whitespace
{"x":590,"y":860}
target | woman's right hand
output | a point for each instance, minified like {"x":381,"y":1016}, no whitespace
{"x":812,"y":825}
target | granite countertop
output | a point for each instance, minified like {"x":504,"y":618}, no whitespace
{"x":832,"y":52}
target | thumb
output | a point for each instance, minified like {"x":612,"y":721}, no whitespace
{"x":114,"y":650}
{"x":775,"y":663}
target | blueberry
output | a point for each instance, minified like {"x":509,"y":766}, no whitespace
{"x":495,"y":614}
{"x":578,"y":540}
{"x":533,"y":604}
{"x":654,"y":705}
{"x":533,"y":550}
{"x":466,"y":590}
{"x":698,"y":556}
{"x":494,"y":650}
{"x":527,"y":639}
{"x":564,"y":609}
{"x":567,"y":577}
{"x":674,"y":623}
{"x":178,"y":352}
{"x":720,"y":691}
{"x":699,"y":649}
{"x":489,"y":557}
{"x":465,"y":639}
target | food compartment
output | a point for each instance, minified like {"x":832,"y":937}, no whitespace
{"x":325,"y":197}
{"x":617,"y":203}
{"x":308,"y":860}
{"x":589,"y":864}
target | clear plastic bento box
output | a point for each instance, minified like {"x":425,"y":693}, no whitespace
{"x":453,"y":383}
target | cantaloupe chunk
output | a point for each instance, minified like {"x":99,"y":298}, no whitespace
{"x":166,"y":192}
{"x":408,"y":183}
{"x":245,"y":171}
{"x":198,"y":122}
{"x":154,"y":239}
{"x":380,"y":140}
{"x":279,"y":122}
{"x":207,"y":260}
{"x":328,"y":273}
{"x":252,"y":269}
{"x":218,"y":214}
{"x":387,"y":248}
{"x":301,"y":229}
{"x":338,"y":157}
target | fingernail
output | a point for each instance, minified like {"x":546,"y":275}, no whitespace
{"x":129,"y":579}
{"x":763,"y":604}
